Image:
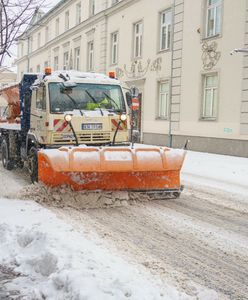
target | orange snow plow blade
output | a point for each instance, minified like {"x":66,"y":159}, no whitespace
{"x":112,"y":168}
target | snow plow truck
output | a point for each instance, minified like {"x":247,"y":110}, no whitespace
{"x":75,"y":129}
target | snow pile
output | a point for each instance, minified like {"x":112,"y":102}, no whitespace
{"x":12,"y":182}
{"x":65,"y":197}
{"x":223,"y":172}
{"x":56,"y":262}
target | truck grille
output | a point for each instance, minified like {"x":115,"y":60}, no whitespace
{"x":83,"y":138}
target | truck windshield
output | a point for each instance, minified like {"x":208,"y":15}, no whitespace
{"x":86,"y":96}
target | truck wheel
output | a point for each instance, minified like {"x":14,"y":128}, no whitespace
{"x":33,"y":164}
{"x":7,"y":163}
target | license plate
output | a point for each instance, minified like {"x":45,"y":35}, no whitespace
{"x":92,"y":126}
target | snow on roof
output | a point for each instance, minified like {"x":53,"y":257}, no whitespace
{"x":10,"y":126}
{"x":73,"y":75}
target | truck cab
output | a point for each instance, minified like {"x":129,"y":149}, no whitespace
{"x":95,"y":102}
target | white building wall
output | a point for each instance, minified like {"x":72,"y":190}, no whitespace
{"x":154,"y":66}
{"x":229,"y":68}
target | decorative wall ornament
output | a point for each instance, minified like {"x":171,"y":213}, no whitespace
{"x":156,"y":65}
{"x":210,"y":56}
{"x":136,"y":69}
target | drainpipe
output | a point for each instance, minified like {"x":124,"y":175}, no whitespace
{"x":172,"y":55}
{"x":28,"y":62}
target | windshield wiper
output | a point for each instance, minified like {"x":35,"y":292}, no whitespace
{"x":111,"y":99}
{"x":75,"y":103}
{"x":93,"y":99}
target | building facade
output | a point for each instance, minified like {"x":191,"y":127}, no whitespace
{"x":177,"y":52}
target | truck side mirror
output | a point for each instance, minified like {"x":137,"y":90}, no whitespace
{"x":129,"y":98}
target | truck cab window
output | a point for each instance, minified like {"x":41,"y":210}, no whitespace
{"x":85,"y":96}
{"x":40,"y":98}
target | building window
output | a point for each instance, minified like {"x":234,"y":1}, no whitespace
{"x":78,"y":13}
{"x":38,"y":69}
{"x":114,"y":47}
{"x":210,"y":96}
{"x":67,"y":23}
{"x":66,"y":60}
{"x":57,"y":27}
{"x":165,"y":30}
{"x":77,"y":58}
{"x":38,"y":40}
{"x":213,"y":18}
{"x":138,"y":32}
{"x":56,"y":63}
{"x":90,"y":56}
{"x":92,"y":7}
{"x":163,"y":99}
{"x":45,"y":64}
{"x":46,"y":34}
{"x":114,"y":2}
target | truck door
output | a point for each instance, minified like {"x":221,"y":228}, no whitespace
{"x":38,"y":114}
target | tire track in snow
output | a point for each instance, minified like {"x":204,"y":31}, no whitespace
{"x":173,"y":239}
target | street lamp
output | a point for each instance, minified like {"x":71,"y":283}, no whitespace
{"x":237,"y":50}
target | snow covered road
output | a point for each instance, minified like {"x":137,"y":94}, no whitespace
{"x":193,"y":243}
{"x":195,"y":247}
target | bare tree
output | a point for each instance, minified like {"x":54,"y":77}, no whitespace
{"x":15,"y":15}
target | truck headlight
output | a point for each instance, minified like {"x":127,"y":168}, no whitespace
{"x":68,"y":118}
{"x":123,"y":117}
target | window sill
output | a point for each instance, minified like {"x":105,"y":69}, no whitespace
{"x":164,"y":51}
{"x":212,"y":37}
{"x":161,"y":119}
{"x":113,"y":65}
{"x":208,"y":119}
{"x":136,"y":59}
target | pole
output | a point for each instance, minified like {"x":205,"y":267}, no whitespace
{"x":172,"y":55}
{"x":28,"y":62}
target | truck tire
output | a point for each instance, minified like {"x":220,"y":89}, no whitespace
{"x":33,"y":164}
{"x":6,"y":161}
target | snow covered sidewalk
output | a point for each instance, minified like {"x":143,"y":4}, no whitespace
{"x":227,"y":173}
{"x":57,"y":263}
